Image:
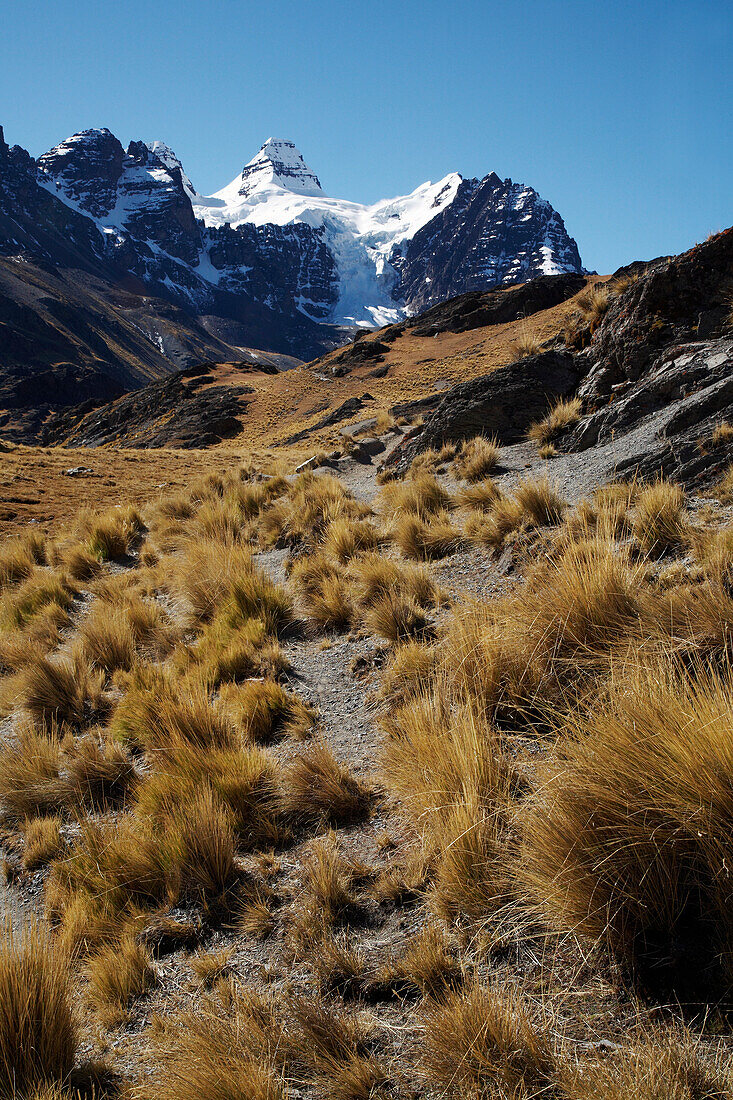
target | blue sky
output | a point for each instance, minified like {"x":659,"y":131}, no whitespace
{"x":619,"y":113}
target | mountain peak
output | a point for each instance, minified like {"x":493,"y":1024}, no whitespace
{"x":279,"y":164}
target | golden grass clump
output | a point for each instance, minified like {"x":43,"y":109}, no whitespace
{"x":117,"y":974}
{"x":245,"y":780}
{"x":481,"y":496}
{"x":524,"y":345}
{"x":564,"y":413}
{"x":228,"y":1051}
{"x":345,"y":538}
{"x":409,"y":673}
{"x":204,"y":573}
{"x":397,"y":618}
{"x":422,"y":497}
{"x":483,"y":1042}
{"x":324,"y":592}
{"x":627,"y":838}
{"x":42,"y":841}
{"x":40,"y":593}
{"x":426,"y":540}
{"x":112,"y":535}
{"x":38,"y":1034}
{"x":317,"y":789}
{"x":476,"y":459}
{"x":60,"y":691}
{"x":659,"y":522}
{"x":30,"y":785}
{"x":445,"y":765}
{"x":722,"y":434}
{"x":97,"y":776}
{"x":264,"y":711}
{"x":540,"y":501}
{"x":155,"y":717}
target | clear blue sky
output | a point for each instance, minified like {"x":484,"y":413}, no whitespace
{"x":620,"y":113}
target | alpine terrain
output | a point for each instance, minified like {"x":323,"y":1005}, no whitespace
{"x":114,"y":270}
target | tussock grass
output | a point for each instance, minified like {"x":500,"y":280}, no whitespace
{"x":112,"y":535}
{"x":564,"y":413}
{"x":324,"y":591}
{"x":424,"y":540}
{"x":426,"y":965}
{"x":526,"y":344}
{"x":41,"y":592}
{"x":482,"y":495}
{"x":204,"y":574}
{"x":397,"y":618}
{"x":540,"y":501}
{"x":117,"y":974}
{"x":445,"y":765}
{"x":659,"y":522}
{"x":421,"y":497}
{"x":476,"y":459}
{"x":211,"y":966}
{"x":219,"y":1051}
{"x":155,"y":717}
{"x":30,"y":785}
{"x":264,"y":711}
{"x":409,"y":673}
{"x":42,"y":841}
{"x":722,"y":434}
{"x":245,"y":780}
{"x":38,"y":1034}
{"x":98,"y":776}
{"x":627,"y":839}
{"x":60,"y":691}
{"x":317,"y":789}
{"x":483,"y":1041}
{"x":17,"y":562}
{"x":345,"y":538}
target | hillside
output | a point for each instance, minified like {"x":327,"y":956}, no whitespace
{"x":366,"y":728}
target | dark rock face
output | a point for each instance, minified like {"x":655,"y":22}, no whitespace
{"x":502,"y":404}
{"x":675,"y":405}
{"x":673,"y":302}
{"x":494,"y":233}
{"x":184,"y":410}
{"x":496,"y":307}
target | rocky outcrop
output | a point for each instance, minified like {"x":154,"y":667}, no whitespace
{"x":494,"y":233}
{"x":502,"y":404}
{"x":673,"y":302}
{"x":496,"y":307}
{"x":185,"y":410}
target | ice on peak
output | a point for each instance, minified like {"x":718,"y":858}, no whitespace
{"x":166,"y":156}
{"x":278,"y":164}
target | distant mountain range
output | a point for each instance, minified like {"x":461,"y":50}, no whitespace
{"x":112,"y":264}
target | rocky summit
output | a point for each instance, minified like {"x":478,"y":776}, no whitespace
{"x":269,"y":262}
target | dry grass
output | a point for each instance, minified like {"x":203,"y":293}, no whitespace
{"x":98,"y":776}
{"x":476,"y":459}
{"x":482,"y":1043}
{"x":422,"y":497}
{"x":38,"y":1035}
{"x":113,"y":535}
{"x":264,"y":711}
{"x":427,"y":964}
{"x":540,"y":501}
{"x":345,"y":538}
{"x":526,"y":344}
{"x":30,"y":785}
{"x":659,"y":523}
{"x":211,"y":966}
{"x":317,"y":789}
{"x":445,"y":764}
{"x":722,"y":434}
{"x":482,"y":495}
{"x":117,"y":974}
{"x":397,"y":618}
{"x":205,"y":573}
{"x":423,"y":540}
{"x":43,"y":842}
{"x":564,"y":413}
{"x":218,"y":1052}
{"x":627,"y":839}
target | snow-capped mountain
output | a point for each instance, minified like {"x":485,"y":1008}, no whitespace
{"x":271,"y":260}
{"x":273,"y":236}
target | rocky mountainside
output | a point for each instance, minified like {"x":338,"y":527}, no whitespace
{"x":270,"y":260}
{"x":654,"y":380}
